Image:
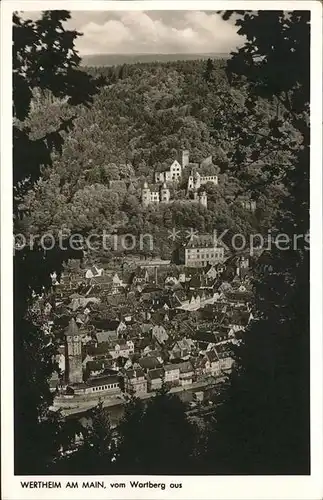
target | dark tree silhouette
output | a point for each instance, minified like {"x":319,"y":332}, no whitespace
{"x":44,"y":60}
{"x":263,"y":425}
{"x":156,"y":437}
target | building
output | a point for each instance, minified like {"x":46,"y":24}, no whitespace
{"x":155,"y":379}
{"x":93,"y":272}
{"x":176,"y":169}
{"x":154,"y":194}
{"x":135,"y":382}
{"x":74,"y":371}
{"x":106,"y":384}
{"x":202,"y":250}
{"x":195,"y":181}
{"x":172,"y":374}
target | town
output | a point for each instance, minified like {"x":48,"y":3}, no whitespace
{"x":149,"y":325}
{"x":130,"y":329}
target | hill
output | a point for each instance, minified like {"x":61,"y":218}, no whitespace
{"x":116,"y":59}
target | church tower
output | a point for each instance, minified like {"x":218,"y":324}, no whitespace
{"x":74,"y":373}
{"x":165,"y":194}
{"x":145,"y":195}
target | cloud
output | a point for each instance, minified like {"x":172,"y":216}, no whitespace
{"x":153,"y":32}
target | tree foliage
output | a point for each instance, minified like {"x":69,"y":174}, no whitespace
{"x":263,"y":425}
{"x":44,"y":62}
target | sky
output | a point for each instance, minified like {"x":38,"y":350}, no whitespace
{"x":153,"y":32}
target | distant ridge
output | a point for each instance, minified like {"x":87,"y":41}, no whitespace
{"x":117,"y":59}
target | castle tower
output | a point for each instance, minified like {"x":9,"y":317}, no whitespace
{"x":164,"y":193}
{"x":74,"y":373}
{"x":203,"y":199}
{"x":197,"y":180}
{"x":145,"y":195}
{"x":190,"y":182}
{"x":185,"y":158}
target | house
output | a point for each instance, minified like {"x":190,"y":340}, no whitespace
{"x":141,"y":276}
{"x":171,"y":280}
{"x":135,"y":382}
{"x":203,"y":249}
{"x":212,"y":364}
{"x":106,"y":336}
{"x":93,"y":272}
{"x":175,"y":170}
{"x":149,"y":363}
{"x":182,"y":349}
{"x":82,"y":302}
{"x":239,"y":320}
{"x":211,"y":271}
{"x":186,"y":373}
{"x":160,"y":334}
{"x":122,"y":347}
{"x":97,"y":367}
{"x":171,"y":374}
{"x":117,"y":281}
{"x":107,"y":325}
{"x":225,"y":356}
{"x":155,"y":379}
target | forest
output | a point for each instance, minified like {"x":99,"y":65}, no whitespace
{"x":74,"y":130}
{"x":139,"y":121}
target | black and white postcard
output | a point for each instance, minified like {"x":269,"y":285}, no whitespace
{"x":161,"y":187}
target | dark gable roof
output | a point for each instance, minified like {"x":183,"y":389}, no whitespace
{"x":102,"y":348}
{"x":202,"y":241}
{"x":149,"y":362}
{"x":107,"y":325}
{"x":155,"y":374}
{"x":108,"y":379}
{"x":130,"y":374}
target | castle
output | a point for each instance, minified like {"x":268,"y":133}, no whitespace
{"x":195,"y":181}
{"x":160,"y":193}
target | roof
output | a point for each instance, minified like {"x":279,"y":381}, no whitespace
{"x":72,"y":329}
{"x":107,"y":325}
{"x":170,"y":367}
{"x":107,"y":379}
{"x":155,"y":374}
{"x":106,"y":336}
{"x":225,"y":349}
{"x":102,"y":348}
{"x":202,"y":241}
{"x":149,"y":362}
{"x":134,"y":373}
{"x":97,"y":365}
{"x":211,"y":355}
